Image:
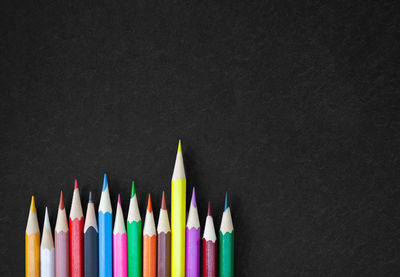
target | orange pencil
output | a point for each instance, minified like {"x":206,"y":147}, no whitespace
{"x":32,"y":243}
{"x":149,"y":243}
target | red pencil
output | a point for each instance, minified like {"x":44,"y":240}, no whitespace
{"x":76,"y":223}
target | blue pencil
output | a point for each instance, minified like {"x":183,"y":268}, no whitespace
{"x":105,"y":232}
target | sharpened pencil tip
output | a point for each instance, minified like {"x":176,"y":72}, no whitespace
{"x":193,"y":201}
{"x":149,"y":207}
{"x":33,"y":206}
{"x":209,"y":209}
{"x":163,"y":204}
{"x":226,"y":201}
{"x":133,"y":189}
{"x":119,"y":199}
{"x":61,"y":200}
{"x":76,"y":184}
{"x":105,"y":182}
{"x":179,"y":146}
{"x":90,"y":197}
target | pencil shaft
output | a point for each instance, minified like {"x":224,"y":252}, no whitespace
{"x":192,"y":252}
{"x":226,"y":254}
{"x":149,"y":256}
{"x":91,"y":251}
{"x":134,"y":232}
{"x":105,"y":244}
{"x":76,"y":247}
{"x":164,"y":254}
{"x":178,"y":214}
{"x":61,"y":240}
{"x":119,"y":255}
{"x":209,"y":257}
{"x":47,"y":262}
{"x":32,"y":255}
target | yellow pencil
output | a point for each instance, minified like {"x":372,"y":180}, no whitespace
{"x":32,"y":243}
{"x":178,"y":216}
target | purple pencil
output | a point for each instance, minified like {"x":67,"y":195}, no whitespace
{"x":61,"y":238}
{"x":193,"y":240}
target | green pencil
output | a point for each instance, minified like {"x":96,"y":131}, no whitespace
{"x":134,"y":231}
{"x":226,"y":242}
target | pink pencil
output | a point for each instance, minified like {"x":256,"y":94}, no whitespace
{"x":120,"y":261}
{"x":61,"y":238}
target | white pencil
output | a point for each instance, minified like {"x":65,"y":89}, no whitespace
{"x":47,"y":268}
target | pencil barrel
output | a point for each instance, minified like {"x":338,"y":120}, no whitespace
{"x":192,"y":252}
{"x":226,"y":254}
{"x":209,"y":256}
{"x":134,"y":233}
{"x":164,"y":254}
{"x":91,"y":259}
{"x":105,"y":244}
{"x":178,"y":214}
{"x":32,"y":255}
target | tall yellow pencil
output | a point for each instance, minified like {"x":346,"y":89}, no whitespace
{"x":178,"y":216}
{"x":32,"y":243}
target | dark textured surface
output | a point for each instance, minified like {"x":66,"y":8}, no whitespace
{"x":291,"y":108}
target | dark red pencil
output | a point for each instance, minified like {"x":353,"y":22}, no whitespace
{"x":209,"y":246}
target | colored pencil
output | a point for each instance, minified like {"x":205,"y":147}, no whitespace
{"x":209,"y":247}
{"x":61,"y":237}
{"x":76,"y":222}
{"x":178,"y":216}
{"x":105,"y":232}
{"x":91,"y":239}
{"x":163,"y":242}
{"x":134,"y":232}
{"x":149,"y":243}
{"x":120,"y":263}
{"x":193,"y":240}
{"x":32,"y":243}
{"x":226,"y":243}
{"x":47,"y":250}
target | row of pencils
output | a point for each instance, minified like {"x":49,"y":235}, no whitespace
{"x":81,"y":247}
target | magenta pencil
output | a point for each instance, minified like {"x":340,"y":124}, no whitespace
{"x":61,"y":238}
{"x":193,"y":240}
{"x":120,"y":260}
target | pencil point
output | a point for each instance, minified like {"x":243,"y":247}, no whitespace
{"x":209,"y":209}
{"x":105,"y":182}
{"x":179,"y":146}
{"x":119,"y":199}
{"x":33,"y":207}
{"x":90,"y":197}
{"x":76,"y":184}
{"x":226,"y":201}
{"x":163,"y":205}
{"x":133,"y":189}
{"x":61,"y":200}
{"x":149,"y":207}
{"x":193,"y":201}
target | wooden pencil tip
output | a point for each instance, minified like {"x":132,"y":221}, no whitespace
{"x":90,"y":197}
{"x":163,"y":204}
{"x":209,"y":209}
{"x":179,"y":146}
{"x":33,"y":206}
{"x":61,"y":201}
{"x":76,"y":184}
{"x":149,"y":207}
{"x":119,"y":199}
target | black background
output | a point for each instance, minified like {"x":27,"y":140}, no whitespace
{"x":290,"y":107}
